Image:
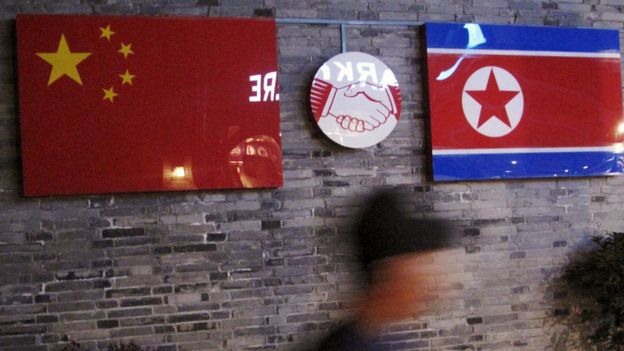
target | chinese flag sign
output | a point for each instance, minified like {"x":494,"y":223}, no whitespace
{"x":127,"y":104}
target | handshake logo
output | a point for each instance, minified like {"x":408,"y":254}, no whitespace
{"x":355,"y":99}
{"x":357,"y":107}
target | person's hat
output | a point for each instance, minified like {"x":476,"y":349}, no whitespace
{"x":383,"y":230}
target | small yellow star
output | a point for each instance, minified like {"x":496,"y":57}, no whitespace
{"x":126,"y":78}
{"x":109,"y":94}
{"x":106,"y":32}
{"x":126,"y":50}
{"x":64,"y":62}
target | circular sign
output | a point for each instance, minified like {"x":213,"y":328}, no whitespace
{"x":492,"y":101}
{"x":355,"y":99}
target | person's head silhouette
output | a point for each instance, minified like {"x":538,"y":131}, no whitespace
{"x":396,"y":252}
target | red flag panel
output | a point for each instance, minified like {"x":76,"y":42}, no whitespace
{"x":128,"y":104}
{"x":558,"y":96}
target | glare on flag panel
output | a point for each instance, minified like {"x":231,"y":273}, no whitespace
{"x":523,"y":102}
{"x":124,"y":104}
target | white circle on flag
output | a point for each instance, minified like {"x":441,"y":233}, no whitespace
{"x":355,"y":99}
{"x":494,"y":84}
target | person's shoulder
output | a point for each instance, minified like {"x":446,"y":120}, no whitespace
{"x":336,"y":340}
{"x":345,"y":338}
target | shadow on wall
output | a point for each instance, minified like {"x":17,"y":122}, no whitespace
{"x":589,"y":299}
{"x":13,"y":162}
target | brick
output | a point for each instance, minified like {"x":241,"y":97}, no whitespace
{"x":188,"y":317}
{"x":44,"y":319}
{"x":17,"y":340}
{"x":164,"y":329}
{"x":75,"y":275}
{"x":216,"y":237}
{"x":71,"y":306}
{"x":82,"y":316}
{"x":129,"y":312}
{"x":255,"y":331}
{"x":104,"y":304}
{"x":126,"y":332}
{"x":185,"y":299}
{"x":120,"y":233}
{"x":306,"y":317}
{"x":500,"y":318}
{"x":195,"y":248}
{"x":141,"y":302}
{"x":115,"y":293}
{"x":162,"y":250}
{"x":107,"y":324}
{"x":141,"y":321}
{"x":183,"y":328}
{"x":266,"y":225}
{"x":474,"y":320}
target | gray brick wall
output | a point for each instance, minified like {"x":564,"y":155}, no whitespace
{"x":272,"y":269}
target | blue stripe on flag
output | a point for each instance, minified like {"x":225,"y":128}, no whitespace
{"x":529,"y":165}
{"x":507,"y":37}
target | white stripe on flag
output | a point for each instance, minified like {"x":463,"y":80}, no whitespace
{"x":523,"y":53}
{"x":534,"y":150}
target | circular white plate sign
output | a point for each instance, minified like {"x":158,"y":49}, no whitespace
{"x":355,"y":99}
{"x":493,"y":102}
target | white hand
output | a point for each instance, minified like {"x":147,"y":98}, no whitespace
{"x":364,"y":112}
{"x":352,"y":124}
{"x":373,"y":92}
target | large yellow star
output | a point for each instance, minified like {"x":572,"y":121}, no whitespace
{"x":106,"y":32}
{"x":64,"y":62}
{"x":126,"y":50}
{"x":126,"y":78}
{"x":109,"y":94}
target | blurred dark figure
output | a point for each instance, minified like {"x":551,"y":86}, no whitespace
{"x":391,"y":250}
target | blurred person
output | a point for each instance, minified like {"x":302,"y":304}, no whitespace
{"x":396,"y":254}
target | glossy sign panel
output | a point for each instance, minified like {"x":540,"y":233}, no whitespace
{"x":355,"y":99}
{"x":524,"y":102}
{"x":128,"y":104}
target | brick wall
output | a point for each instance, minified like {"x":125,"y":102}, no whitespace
{"x":271,"y":269}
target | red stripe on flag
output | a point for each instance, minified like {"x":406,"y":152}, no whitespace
{"x":568,"y":102}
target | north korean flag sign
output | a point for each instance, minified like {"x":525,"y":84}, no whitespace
{"x":524,"y":102}
{"x":127,"y":104}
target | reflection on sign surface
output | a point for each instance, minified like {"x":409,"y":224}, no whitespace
{"x":125,"y":104}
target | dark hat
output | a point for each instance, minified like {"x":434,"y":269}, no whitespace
{"x":383,"y":230}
